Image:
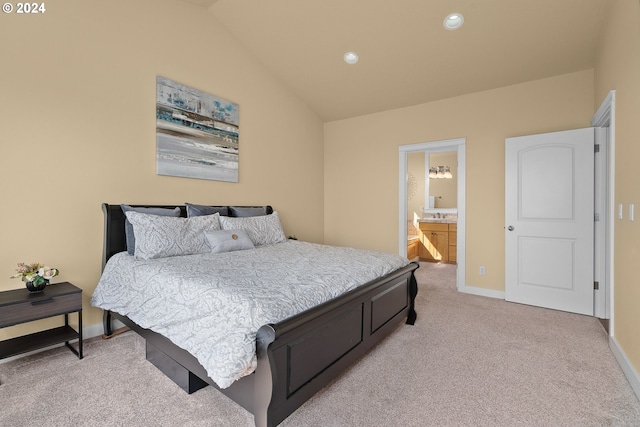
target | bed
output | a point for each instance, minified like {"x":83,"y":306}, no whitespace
{"x":294,"y":357}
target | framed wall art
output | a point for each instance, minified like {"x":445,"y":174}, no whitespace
{"x":196,"y":133}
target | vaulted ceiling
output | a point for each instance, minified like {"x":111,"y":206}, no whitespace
{"x":407,"y":57}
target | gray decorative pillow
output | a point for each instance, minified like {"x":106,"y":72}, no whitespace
{"x":262,"y":230}
{"x":163,"y":236}
{"x":199,"y":210}
{"x":241,"y":212}
{"x":228,"y":240}
{"x":128,"y":228}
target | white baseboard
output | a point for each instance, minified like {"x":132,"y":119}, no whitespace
{"x":90,"y":331}
{"x":626,"y":366}
{"x":483,"y":292}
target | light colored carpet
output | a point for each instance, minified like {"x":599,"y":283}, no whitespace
{"x":468,"y":361}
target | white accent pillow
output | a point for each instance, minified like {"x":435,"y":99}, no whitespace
{"x":228,"y":240}
{"x":262,"y":230}
{"x":164,"y":236}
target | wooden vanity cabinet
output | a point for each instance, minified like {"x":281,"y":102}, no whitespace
{"x":438,"y":242}
{"x":435,"y":241}
{"x":453,"y":243}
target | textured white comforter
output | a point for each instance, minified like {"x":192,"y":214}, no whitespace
{"x":212,"y":305}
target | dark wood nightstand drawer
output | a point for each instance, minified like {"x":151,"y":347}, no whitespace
{"x":40,"y":308}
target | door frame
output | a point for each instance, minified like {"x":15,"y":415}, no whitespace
{"x":458,"y":145}
{"x":604,"y":119}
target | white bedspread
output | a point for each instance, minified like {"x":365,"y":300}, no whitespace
{"x":212,"y":305}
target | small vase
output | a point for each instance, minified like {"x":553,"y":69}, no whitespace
{"x":35,"y":289}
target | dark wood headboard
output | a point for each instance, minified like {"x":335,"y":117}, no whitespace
{"x":114,"y":219}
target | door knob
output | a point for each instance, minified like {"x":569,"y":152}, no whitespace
{"x":510,"y":228}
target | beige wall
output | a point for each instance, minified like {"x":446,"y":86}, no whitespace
{"x":618,"y":67}
{"x":361,"y":184}
{"x":78,"y":129}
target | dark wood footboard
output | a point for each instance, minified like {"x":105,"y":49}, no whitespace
{"x":299,"y":356}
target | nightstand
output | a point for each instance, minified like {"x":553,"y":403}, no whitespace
{"x":20,"y":306}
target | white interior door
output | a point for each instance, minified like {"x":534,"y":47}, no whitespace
{"x":549,"y":201}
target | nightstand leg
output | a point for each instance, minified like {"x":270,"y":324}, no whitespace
{"x":80,"y":334}
{"x":77,"y":352}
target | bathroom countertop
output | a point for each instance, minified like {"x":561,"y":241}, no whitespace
{"x":439,"y":220}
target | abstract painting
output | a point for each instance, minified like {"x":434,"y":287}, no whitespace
{"x":196,"y":133}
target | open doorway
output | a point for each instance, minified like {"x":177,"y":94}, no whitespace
{"x":432,"y":206}
{"x":425,"y":204}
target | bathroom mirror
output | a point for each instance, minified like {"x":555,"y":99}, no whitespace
{"x":443,"y":190}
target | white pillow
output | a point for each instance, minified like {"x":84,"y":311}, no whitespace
{"x":228,"y":240}
{"x":164,"y":236}
{"x":262,"y":230}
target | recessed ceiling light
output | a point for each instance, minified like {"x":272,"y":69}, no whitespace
{"x":453,"y":21}
{"x":351,"y":58}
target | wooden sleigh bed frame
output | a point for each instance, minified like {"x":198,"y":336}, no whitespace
{"x":296,"y":357}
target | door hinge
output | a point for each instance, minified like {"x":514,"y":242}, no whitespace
{"x":596,"y":217}
{"x":596,"y":285}
{"x":596,"y":148}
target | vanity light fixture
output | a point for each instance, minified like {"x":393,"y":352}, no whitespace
{"x":351,"y":58}
{"x":453,"y":21}
{"x":439,"y":172}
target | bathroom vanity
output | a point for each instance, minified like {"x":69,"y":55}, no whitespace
{"x":437,"y":240}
